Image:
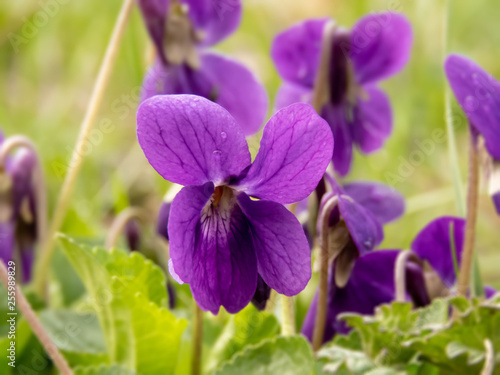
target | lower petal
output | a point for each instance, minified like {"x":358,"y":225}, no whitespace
{"x":283,"y":255}
{"x":342,"y":152}
{"x":211,"y":248}
{"x":372,"y":121}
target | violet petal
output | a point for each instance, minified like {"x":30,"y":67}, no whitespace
{"x":294,"y":153}
{"x":433,"y":244}
{"x":190,"y":140}
{"x":383,"y":201}
{"x":296,"y":52}
{"x":283,"y":255}
{"x":380,"y":46}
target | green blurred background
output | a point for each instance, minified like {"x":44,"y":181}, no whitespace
{"x":47,"y":77}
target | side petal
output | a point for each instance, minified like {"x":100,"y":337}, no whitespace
{"x":372,"y":120}
{"x":211,"y":249}
{"x":296,"y":52}
{"x":236,"y":89}
{"x":342,"y":153}
{"x":366,"y":231}
{"x":294,"y":153}
{"x":215,"y":19}
{"x":283,"y":255}
{"x":386,"y":203}
{"x":190,"y":140}
{"x":380,"y":46}
{"x":290,"y":93}
{"x":478,"y":93}
{"x":433,"y":244}
{"x":154,"y":13}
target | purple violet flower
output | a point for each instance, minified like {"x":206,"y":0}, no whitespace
{"x":478,"y":93}
{"x":428,"y":275}
{"x":220,"y":238}
{"x":181,"y":30}
{"x":359,"y":113}
{"x":356,"y":222}
{"x":18,"y":229}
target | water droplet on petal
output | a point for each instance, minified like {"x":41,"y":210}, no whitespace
{"x":368,"y":243}
{"x":470,"y":103}
{"x":217,"y":154}
{"x":223,"y":135}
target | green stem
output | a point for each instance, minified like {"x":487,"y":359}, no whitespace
{"x":287,"y":316}
{"x":43,"y":262}
{"x":197,"y":337}
{"x":476,"y":280}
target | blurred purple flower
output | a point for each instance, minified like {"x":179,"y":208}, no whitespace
{"x":428,"y":275}
{"x":181,"y":30}
{"x":221,"y":239}
{"x":356,"y":221}
{"x":18,"y":211}
{"x":478,"y":93}
{"x":358,"y":112}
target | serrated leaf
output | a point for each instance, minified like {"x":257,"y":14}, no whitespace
{"x":247,"y":327}
{"x":128,"y":294}
{"x":282,"y":355}
{"x":73,"y":331}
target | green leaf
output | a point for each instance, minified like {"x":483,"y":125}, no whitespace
{"x":247,"y":327}
{"x":128,"y":294}
{"x":103,"y":370}
{"x":282,"y":355}
{"x":73,"y":331}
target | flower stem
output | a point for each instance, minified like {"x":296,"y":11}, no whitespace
{"x":471,"y":218}
{"x":319,"y":328}
{"x":43,"y":263}
{"x":36,"y":326}
{"x":120,"y":222}
{"x":287,"y":316}
{"x":197,"y":337}
{"x":400,"y":274}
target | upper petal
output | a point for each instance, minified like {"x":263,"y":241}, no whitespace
{"x":215,"y":19}
{"x":164,"y":79}
{"x":236,"y":89}
{"x":283,"y":255}
{"x":190,"y":140}
{"x":364,"y":228}
{"x":296,"y":52}
{"x":372,"y":120}
{"x":154,"y":13}
{"x":478,"y":93}
{"x":295,"y":150}
{"x":433,"y":244}
{"x":380,"y":46}
{"x":383,"y":201}
{"x":211,"y":248}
